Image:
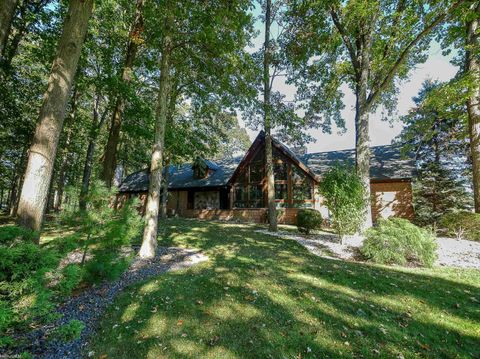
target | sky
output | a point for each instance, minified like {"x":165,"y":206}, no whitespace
{"x":437,"y":67}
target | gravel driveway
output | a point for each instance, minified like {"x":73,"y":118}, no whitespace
{"x":91,"y":303}
{"x":451,"y":252}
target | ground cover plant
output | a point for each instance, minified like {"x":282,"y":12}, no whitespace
{"x":398,"y":241}
{"x":28,"y":282}
{"x":35,"y":278}
{"x":262,"y":296}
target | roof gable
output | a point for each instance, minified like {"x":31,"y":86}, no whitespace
{"x":257,"y":144}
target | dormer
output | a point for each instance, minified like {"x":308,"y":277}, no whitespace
{"x":203,"y":168}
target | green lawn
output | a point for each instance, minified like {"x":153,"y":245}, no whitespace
{"x":262,"y":297}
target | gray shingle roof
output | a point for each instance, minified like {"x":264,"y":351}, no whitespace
{"x":181,"y":176}
{"x":386,"y":163}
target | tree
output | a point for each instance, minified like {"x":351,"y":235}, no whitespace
{"x":134,"y":41}
{"x":42,"y":154}
{"x":7,"y":11}
{"x":472,"y":68}
{"x":272,"y":210}
{"x":358,"y":43}
{"x":437,"y":191}
{"x":343,"y":194}
{"x":436,"y":134}
{"x":149,"y":243}
{"x":195,"y":48}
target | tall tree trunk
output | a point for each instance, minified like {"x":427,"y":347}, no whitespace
{"x":149,"y":243}
{"x":57,"y":206}
{"x":17,"y":183}
{"x":272,"y":210}
{"x":362,"y":144}
{"x":473,"y":102}
{"x":44,"y":148}
{"x":7,"y":12}
{"x":87,"y":168}
{"x":163,"y":208}
{"x":110,"y":157}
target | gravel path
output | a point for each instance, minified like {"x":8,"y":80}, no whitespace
{"x":91,"y":303}
{"x":451,"y":252}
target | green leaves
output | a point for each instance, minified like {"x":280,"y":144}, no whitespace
{"x":343,"y":193}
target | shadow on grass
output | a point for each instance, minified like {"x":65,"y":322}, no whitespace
{"x":260,"y":296}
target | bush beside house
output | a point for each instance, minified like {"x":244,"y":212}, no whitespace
{"x":398,"y":241}
{"x":308,"y":220}
{"x":342,"y":192}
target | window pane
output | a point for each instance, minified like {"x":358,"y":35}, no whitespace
{"x":280,"y":171}
{"x":256,"y":171}
{"x":240,"y":197}
{"x":256,"y":196}
{"x":302,"y":191}
{"x":297,"y":174}
{"x":281,"y":191}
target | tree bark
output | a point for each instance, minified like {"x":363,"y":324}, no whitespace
{"x":110,"y":156}
{"x":7,"y":12}
{"x":272,"y":210}
{"x":362,"y":137}
{"x":473,"y":103}
{"x":163,"y":208}
{"x":149,"y":244}
{"x":17,"y":183}
{"x":87,"y":168}
{"x":44,"y":148}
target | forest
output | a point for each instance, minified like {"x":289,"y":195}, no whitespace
{"x":94,"y":90}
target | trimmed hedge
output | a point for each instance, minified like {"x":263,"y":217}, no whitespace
{"x":465,"y":225}
{"x":308,"y":220}
{"x":398,"y":241}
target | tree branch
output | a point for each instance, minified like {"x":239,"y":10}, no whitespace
{"x":345,"y":38}
{"x":403,"y":55}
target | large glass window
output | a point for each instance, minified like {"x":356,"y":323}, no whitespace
{"x":293,"y":187}
{"x":280,"y":170}
{"x":256,"y":171}
{"x":281,"y":191}
{"x":241,"y":199}
{"x":302,"y":190}
{"x":256,"y":196}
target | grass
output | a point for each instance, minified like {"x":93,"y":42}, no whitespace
{"x":262,"y":297}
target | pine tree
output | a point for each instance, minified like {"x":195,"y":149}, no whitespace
{"x":438,"y":141}
{"x":438,"y":191}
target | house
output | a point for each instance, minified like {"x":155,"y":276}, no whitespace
{"x":235,"y":188}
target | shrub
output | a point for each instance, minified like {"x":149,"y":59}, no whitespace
{"x":72,"y":275}
{"x":24,"y":295}
{"x":398,"y":241}
{"x":308,"y":219}
{"x":12,"y":233}
{"x":107,"y":232}
{"x":343,"y":192}
{"x":461,"y":225}
{"x":68,"y":332}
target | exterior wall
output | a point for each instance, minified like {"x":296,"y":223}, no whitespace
{"x":207,"y":200}
{"x":389,"y":198}
{"x":392,"y":199}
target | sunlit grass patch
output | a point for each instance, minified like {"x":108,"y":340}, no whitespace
{"x":260,"y":296}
